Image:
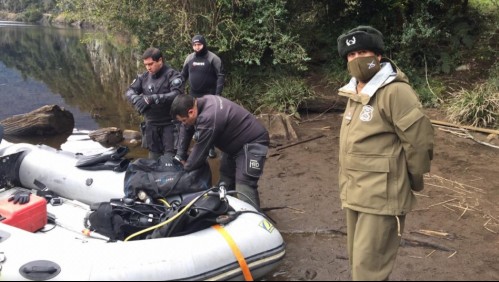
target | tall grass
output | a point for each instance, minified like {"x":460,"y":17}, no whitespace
{"x":478,"y":106}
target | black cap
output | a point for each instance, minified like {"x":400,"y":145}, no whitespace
{"x":361,"y":38}
{"x":199,"y":38}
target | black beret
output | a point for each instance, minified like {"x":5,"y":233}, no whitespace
{"x":361,"y":38}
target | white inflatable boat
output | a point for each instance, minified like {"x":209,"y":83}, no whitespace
{"x":43,"y":167}
{"x":91,"y":177}
{"x":246,"y":248}
{"x":51,"y":240}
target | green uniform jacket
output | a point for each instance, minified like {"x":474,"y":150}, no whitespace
{"x":386,"y":145}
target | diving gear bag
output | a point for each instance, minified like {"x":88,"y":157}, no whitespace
{"x":164,"y":177}
{"x":125,"y":218}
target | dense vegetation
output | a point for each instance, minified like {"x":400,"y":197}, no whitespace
{"x":274,"y":45}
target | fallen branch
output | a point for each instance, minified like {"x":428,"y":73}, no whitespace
{"x":436,"y":234}
{"x":282,"y":207}
{"x":300,"y":142}
{"x":317,"y":231}
{"x":485,"y":130}
{"x":424,"y":244}
{"x":463,"y":133}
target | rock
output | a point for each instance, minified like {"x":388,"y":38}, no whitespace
{"x":107,"y":135}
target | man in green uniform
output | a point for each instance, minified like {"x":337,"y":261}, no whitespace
{"x":386,"y":145}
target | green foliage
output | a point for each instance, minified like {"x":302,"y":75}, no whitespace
{"x":242,"y":90}
{"x":259,"y":40}
{"x":31,"y":15}
{"x":430,"y":92}
{"x":478,"y":106}
{"x":285,"y":95}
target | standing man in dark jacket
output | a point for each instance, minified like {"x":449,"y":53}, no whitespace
{"x":152,"y":94}
{"x":205,"y":72}
{"x":243,"y":140}
{"x":386,"y":145}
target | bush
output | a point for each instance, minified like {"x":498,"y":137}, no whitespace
{"x":478,"y":106}
{"x":285,"y":95}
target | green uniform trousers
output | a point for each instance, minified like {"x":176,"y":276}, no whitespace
{"x":373,"y":241}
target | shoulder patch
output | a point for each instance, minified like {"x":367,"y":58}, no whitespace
{"x":177,"y":82}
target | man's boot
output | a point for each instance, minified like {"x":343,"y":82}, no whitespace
{"x":250,"y":195}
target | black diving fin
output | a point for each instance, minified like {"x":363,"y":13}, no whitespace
{"x":113,"y":155}
{"x":114,"y":165}
{"x":9,"y":169}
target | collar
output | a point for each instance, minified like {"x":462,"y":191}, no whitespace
{"x":160,"y":72}
{"x":384,"y":76}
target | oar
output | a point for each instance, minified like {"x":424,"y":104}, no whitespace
{"x":9,"y":170}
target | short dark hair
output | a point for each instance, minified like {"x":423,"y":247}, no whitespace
{"x":153,"y":53}
{"x":181,"y":105}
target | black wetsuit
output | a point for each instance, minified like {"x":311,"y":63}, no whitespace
{"x":158,"y":130}
{"x":205,"y":73}
{"x":231,"y":128}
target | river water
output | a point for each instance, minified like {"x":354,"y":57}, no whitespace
{"x":73,"y":68}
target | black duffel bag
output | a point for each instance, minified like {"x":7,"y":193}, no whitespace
{"x":164,"y":177}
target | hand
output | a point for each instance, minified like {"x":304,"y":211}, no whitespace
{"x":178,"y":160}
{"x":416,"y":181}
{"x":141,"y":105}
{"x":151,"y":99}
{"x":20,"y":196}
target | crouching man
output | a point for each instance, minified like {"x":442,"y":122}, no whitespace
{"x":243,"y":140}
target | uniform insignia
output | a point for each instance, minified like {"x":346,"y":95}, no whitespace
{"x":177,"y":82}
{"x":367,"y":113}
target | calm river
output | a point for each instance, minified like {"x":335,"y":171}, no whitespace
{"x":72,"y":68}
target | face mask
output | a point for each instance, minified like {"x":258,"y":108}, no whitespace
{"x":364,"y":68}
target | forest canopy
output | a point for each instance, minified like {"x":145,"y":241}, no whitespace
{"x":264,"y":43}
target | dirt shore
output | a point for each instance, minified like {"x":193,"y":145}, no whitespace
{"x":452,"y":234}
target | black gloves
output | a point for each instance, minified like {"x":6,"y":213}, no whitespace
{"x":141,"y":105}
{"x":152,"y":99}
{"x":20,"y":196}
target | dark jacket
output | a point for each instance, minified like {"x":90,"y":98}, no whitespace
{"x":222,"y":123}
{"x":167,"y":83}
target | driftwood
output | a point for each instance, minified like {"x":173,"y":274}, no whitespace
{"x":280,"y":126}
{"x":484,"y":130}
{"x":46,"y":121}
{"x":300,"y":142}
{"x":325,"y":103}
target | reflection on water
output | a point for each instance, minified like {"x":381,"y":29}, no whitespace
{"x":42,"y":65}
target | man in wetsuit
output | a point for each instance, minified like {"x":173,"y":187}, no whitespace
{"x":243,"y":140}
{"x":151,"y":94}
{"x":205,"y":72}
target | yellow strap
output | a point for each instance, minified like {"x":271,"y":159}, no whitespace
{"x":237,"y":253}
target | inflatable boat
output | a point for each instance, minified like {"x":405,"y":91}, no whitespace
{"x":89,"y":176}
{"x":51,"y":241}
{"x":55,"y":236}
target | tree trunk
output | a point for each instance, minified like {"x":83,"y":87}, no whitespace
{"x":45,"y":121}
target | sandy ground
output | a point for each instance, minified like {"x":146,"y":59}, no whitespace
{"x":452,"y":235}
